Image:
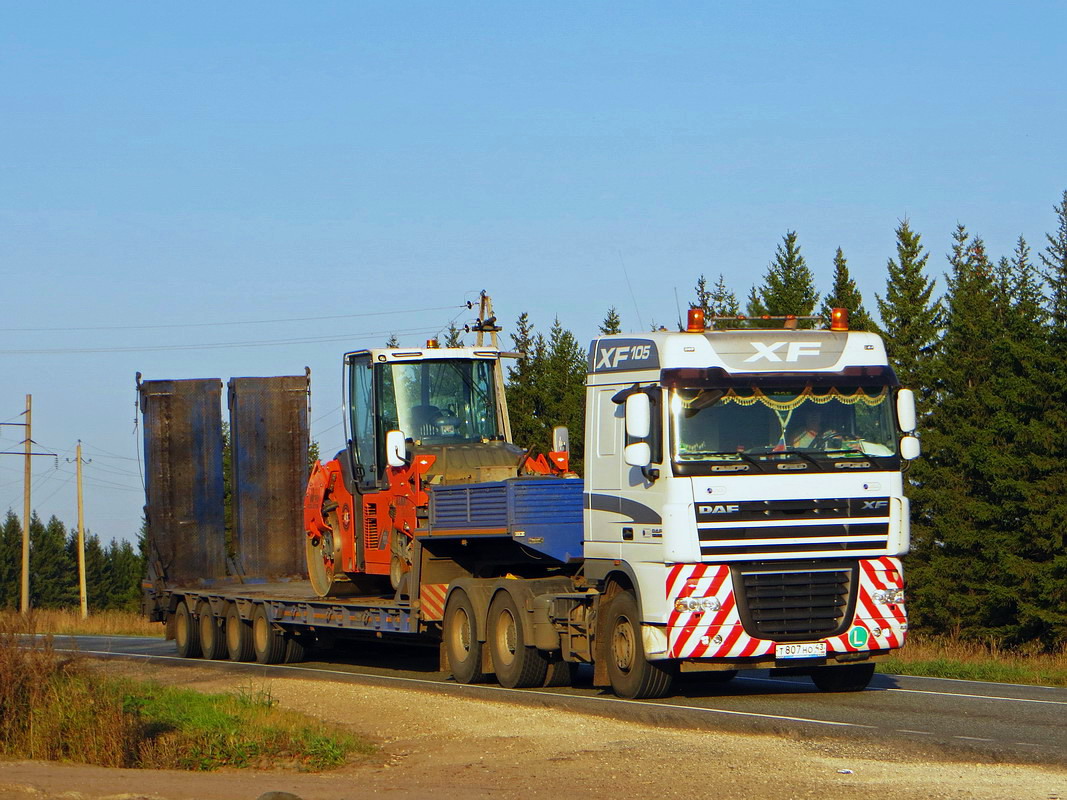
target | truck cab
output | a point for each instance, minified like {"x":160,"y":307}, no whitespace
{"x":745,"y":487}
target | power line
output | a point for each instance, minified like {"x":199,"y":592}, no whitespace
{"x":211,"y":345}
{"x":221,"y":324}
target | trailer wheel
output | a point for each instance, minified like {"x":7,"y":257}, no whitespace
{"x":462,"y":647}
{"x":238,"y":636}
{"x":631,"y":674}
{"x":186,"y":632}
{"x":849,"y":678}
{"x":295,"y":650}
{"x":269,"y":643}
{"x":212,"y":645}
{"x":517,"y":665}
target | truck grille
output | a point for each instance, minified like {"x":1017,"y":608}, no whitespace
{"x":795,"y":601}
{"x":773,"y":528}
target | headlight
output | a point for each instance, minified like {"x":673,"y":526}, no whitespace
{"x":696,"y":605}
{"x":889,"y":597}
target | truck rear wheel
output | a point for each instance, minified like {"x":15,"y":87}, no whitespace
{"x":516,"y":664}
{"x":186,"y":632}
{"x":269,"y":643}
{"x":212,"y":645}
{"x":631,"y":674}
{"x":238,"y":636}
{"x":848,"y":678}
{"x":462,"y":647}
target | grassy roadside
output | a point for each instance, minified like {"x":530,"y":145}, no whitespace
{"x":53,"y":708}
{"x":940,"y":657}
{"x":69,"y":623}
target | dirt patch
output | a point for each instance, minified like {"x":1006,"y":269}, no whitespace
{"x":435,"y":745}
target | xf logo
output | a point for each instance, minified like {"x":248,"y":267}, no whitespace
{"x":793,"y":351}
{"x":609,"y":357}
{"x":875,"y":505}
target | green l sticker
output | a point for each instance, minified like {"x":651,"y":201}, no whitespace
{"x":857,"y":637}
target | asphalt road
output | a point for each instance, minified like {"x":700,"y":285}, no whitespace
{"x":968,"y":720}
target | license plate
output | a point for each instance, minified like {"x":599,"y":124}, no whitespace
{"x":800,"y":650}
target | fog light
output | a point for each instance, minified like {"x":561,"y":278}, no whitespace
{"x":889,"y":597}
{"x":696,"y":605}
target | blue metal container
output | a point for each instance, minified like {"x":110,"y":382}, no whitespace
{"x":543,"y":514}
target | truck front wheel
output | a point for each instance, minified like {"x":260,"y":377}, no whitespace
{"x":517,"y":665}
{"x":462,"y":647}
{"x":850,"y":678}
{"x":632,"y":675}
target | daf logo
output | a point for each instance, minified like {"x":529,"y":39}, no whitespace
{"x":731,"y":508}
{"x":794,"y":351}
{"x":852,"y":465}
{"x":871,"y":505}
{"x":609,"y":357}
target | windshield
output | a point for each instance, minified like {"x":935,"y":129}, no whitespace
{"x":720,"y":423}
{"x":442,"y":401}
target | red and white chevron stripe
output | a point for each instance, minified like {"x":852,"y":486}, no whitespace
{"x":720,"y":634}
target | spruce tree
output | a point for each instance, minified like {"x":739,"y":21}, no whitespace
{"x":963,"y":572}
{"x":788,"y":287}
{"x":912,"y":317}
{"x":611,"y":324}
{"x":53,"y":575}
{"x":564,"y":389}
{"x":10,"y":561}
{"x":453,"y":336}
{"x":526,"y":401}
{"x":1054,"y":259}
{"x":392,"y":341}
{"x":723,"y":304}
{"x":845,"y":294}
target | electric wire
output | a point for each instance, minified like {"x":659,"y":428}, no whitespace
{"x":231,"y":323}
{"x":210,"y":345}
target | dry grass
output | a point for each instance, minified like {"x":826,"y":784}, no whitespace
{"x":70,"y":622}
{"x":949,"y":657}
{"x":52,"y":708}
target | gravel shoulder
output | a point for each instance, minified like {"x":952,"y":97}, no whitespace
{"x":437,"y":745}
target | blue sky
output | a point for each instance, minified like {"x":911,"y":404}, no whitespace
{"x":165,"y":168}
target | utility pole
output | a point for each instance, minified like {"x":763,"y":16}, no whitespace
{"x":27,"y":477}
{"x":81,"y":535}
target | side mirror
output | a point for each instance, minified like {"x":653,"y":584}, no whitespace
{"x":396,"y":449}
{"x":561,"y":439}
{"x":638,"y":416}
{"x":910,"y":448}
{"x":906,"y":410}
{"x":638,"y":454}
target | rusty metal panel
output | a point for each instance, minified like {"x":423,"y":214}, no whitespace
{"x":183,"y":479}
{"x":269,"y":436}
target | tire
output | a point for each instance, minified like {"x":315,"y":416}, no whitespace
{"x":632,"y":675}
{"x":186,"y":632}
{"x":238,"y":636}
{"x":517,"y":665}
{"x":212,"y":643}
{"x":560,"y":673}
{"x":849,"y":678}
{"x":268,"y":643}
{"x":295,"y":650}
{"x":462,"y":648}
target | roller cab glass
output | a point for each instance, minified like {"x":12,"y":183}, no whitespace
{"x":439,"y":401}
{"x":809,"y":425}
